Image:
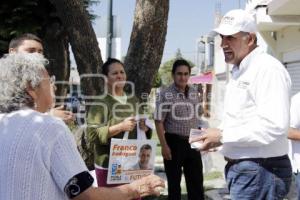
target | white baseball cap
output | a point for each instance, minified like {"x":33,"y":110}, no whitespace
{"x":235,"y":21}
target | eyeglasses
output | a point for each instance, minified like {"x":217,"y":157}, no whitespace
{"x":52,"y":79}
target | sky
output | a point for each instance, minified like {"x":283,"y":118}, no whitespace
{"x":188,"y":20}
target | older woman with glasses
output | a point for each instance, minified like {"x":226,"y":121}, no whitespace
{"x":38,"y":156}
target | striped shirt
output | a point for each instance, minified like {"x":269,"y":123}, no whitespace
{"x":179,"y":111}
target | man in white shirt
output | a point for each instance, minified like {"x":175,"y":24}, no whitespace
{"x":255,"y":123}
{"x":294,"y":136}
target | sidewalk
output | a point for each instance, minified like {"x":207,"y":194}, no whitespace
{"x":214,"y":182}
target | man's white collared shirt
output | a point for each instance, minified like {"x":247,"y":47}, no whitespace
{"x":256,"y":108}
{"x":295,"y":123}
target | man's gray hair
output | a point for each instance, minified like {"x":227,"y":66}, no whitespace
{"x":19,"y":71}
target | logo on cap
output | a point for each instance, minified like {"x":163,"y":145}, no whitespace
{"x":227,"y":20}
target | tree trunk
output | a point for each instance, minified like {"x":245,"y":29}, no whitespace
{"x":87,"y":56}
{"x":83,"y":42}
{"x":146,"y":44}
{"x":57,"y":51}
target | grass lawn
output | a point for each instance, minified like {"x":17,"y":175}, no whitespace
{"x":213,"y":175}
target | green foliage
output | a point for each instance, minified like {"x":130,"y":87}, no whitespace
{"x":165,"y":70}
{"x":27,"y":16}
{"x":157,"y":82}
{"x":87,"y":5}
{"x":18,"y":17}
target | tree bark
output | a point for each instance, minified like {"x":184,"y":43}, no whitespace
{"x":56,"y":47}
{"x":83,"y":42}
{"x":146,"y":44}
{"x":87,"y":55}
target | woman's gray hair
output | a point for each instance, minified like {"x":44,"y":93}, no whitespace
{"x":18,"y":71}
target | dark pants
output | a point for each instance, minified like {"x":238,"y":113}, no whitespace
{"x":259,"y":178}
{"x":188,"y":159}
{"x":297,"y":177}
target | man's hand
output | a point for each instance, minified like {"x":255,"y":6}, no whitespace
{"x":166,"y":152}
{"x":211,"y":138}
{"x":65,"y":115}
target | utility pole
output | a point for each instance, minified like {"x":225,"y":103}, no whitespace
{"x":109,"y":29}
{"x":218,"y":12}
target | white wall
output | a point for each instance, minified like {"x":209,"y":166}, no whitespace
{"x":217,"y":102}
{"x":219,"y":84}
{"x":219,"y":64}
{"x":116,"y":48}
{"x":288,"y":39}
{"x":102,"y":46}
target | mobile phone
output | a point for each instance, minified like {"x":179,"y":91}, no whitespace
{"x":195,"y":133}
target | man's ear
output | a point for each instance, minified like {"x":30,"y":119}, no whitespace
{"x":12,"y":50}
{"x":30,"y":90}
{"x":252,"y":39}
